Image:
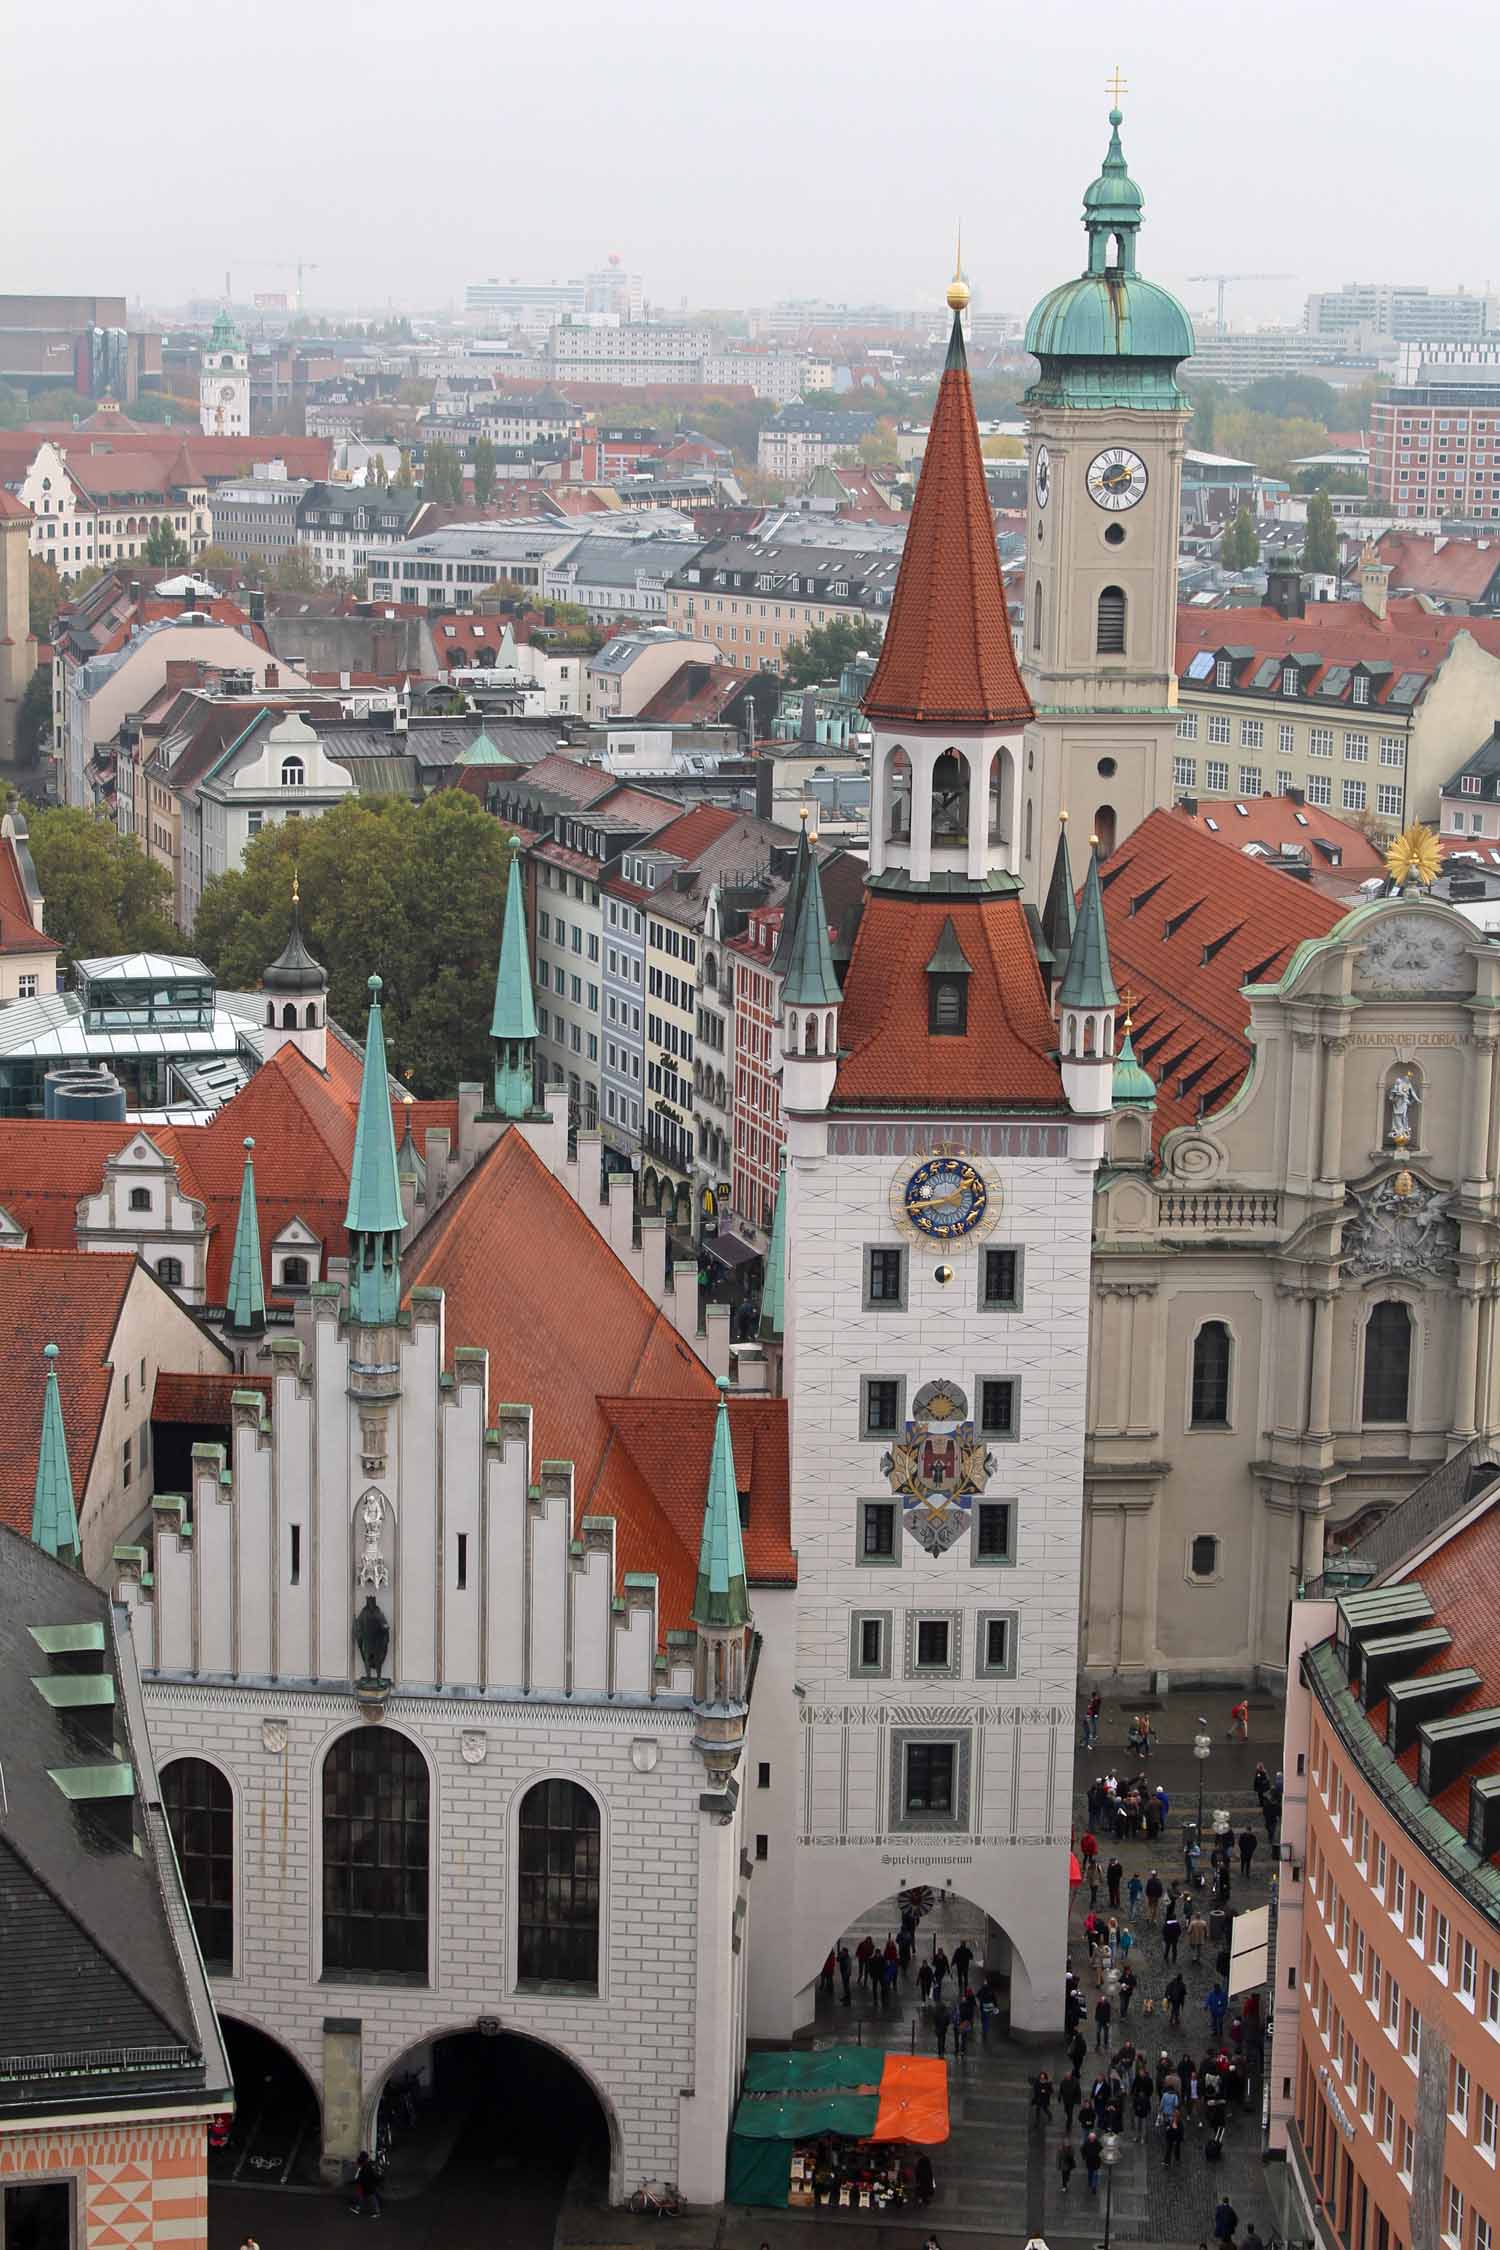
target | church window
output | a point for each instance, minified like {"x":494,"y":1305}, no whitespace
{"x":293,"y":773}
{"x":877,"y":1531}
{"x":140,"y":1199}
{"x":199,"y":1806}
{"x":1109,"y":636}
{"x":375,"y":1856}
{"x":929,"y":1777}
{"x":1387,"y":1362}
{"x":950,"y":797}
{"x":288,"y":1017}
{"x":934,"y":1637}
{"x":169,"y":1271}
{"x":557,"y":1913}
{"x":1000,"y":1280}
{"x":885,"y":1277}
{"x":1210,"y":1388}
{"x":880,"y":1405}
{"x":997,"y":1407}
{"x":993,"y":1520}
{"x":1203,"y":1556}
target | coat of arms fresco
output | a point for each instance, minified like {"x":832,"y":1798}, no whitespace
{"x":937,"y":1466}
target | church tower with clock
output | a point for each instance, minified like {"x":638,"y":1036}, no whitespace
{"x":224,"y":382}
{"x":946,"y":1107}
{"x":1107,"y":425}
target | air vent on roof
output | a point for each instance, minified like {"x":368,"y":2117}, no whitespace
{"x":1174,"y":922}
{"x":1143,"y":898}
{"x":1257,"y":974}
{"x":1217,"y":945}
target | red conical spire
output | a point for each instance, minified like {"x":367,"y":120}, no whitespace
{"x":947,"y":656}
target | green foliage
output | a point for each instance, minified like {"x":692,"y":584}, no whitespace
{"x":103,"y":894}
{"x":403,"y":479}
{"x":484,"y":472}
{"x":377,"y":475}
{"x":1240,"y":546}
{"x":216,"y":562}
{"x":34,"y":719}
{"x":442,"y":474}
{"x":1273,"y":442}
{"x":824,"y":651}
{"x":413,"y":892}
{"x":46,"y":597}
{"x":1320,"y":549}
{"x":297,"y":572}
{"x":1289,"y":395}
{"x":163,"y":549}
{"x":1207,"y":401}
{"x":1332,"y":480}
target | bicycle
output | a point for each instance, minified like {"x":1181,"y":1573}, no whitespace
{"x":658,"y":2197}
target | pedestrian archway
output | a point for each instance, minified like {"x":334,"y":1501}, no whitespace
{"x":496,"y":2116}
{"x":275,"y":2139}
{"x":959,"y":1944}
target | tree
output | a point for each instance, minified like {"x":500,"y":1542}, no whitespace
{"x":1207,"y":400}
{"x":442,"y":475}
{"x":103,"y":894}
{"x":1320,"y":549}
{"x":216,"y":562}
{"x":1240,"y":546}
{"x":163,"y":549}
{"x":1002,"y":449}
{"x":404,"y":480}
{"x":484,"y":472}
{"x":877,"y":448}
{"x":1272,"y":442}
{"x":411,"y":892}
{"x":1288,"y":395}
{"x":377,"y":475}
{"x":297,"y":572}
{"x":46,"y":597}
{"x":34,"y":719}
{"x":823,"y":652}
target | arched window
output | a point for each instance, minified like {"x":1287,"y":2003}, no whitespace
{"x":1109,"y":637}
{"x":312,"y":1015}
{"x":375,"y":1834}
{"x":557,"y":1910}
{"x":950,"y":798}
{"x":1028,"y":828}
{"x":998,"y":811}
{"x":1210,"y":1401}
{"x":294,"y":1273}
{"x":293,"y":773}
{"x":270,"y":1015}
{"x":169,"y":1270}
{"x":289,"y":1017}
{"x":1387,"y":1362}
{"x":199,"y":1806}
{"x":140,"y":1199}
{"x":1036,"y":615}
{"x":1104,"y":829}
{"x":810,"y":1036}
{"x":898,"y":798}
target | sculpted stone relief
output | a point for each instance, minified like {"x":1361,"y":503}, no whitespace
{"x":1414,"y":954}
{"x":1400,"y":1227}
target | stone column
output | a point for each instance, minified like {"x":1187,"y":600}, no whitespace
{"x":1302,"y":1107}
{"x":1465,"y":1364}
{"x":1320,"y":1381}
{"x":1480,"y":1082}
{"x":704,"y":2114}
{"x":1332,"y":1164}
{"x":1145,"y":1364}
{"x":343,"y":2094}
{"x":923,"y":759}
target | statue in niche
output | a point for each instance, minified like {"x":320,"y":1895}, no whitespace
{"x":372,"y":1637}
{"x":1403,"y":1097}
{"x":373,"y":1572}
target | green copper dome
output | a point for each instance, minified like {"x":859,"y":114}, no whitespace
{"x":1109,"y":338}
{"x":1132,"y":1084}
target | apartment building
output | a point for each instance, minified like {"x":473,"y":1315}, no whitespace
{"x":445,"y":569}
{"x":803,"y":438}
{"x":753,"y":598}
{"x":1435,"y":446}
{"x":345,"y":527}
{"x":1404,"y":312}
{"x":256,"y":520}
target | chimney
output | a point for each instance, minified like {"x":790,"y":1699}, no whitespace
{"x":765,"y":775}
{"x":1374,"y":582}
{"x":1284,"y":586}
{"x":257,"y":606}
{"x":273,"y":676}
{"x":1189,"y":805}
{"x":1297,"y":796}
{"x":809,"y":728}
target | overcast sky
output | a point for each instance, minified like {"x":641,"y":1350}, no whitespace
{"x":733,"y":154}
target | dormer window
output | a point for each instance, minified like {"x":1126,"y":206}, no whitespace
{"x":949,"y":1008}
{"x":1470,"y":785}
{"x":1291,"y":679}
{"x":1359,"y":688}
{"x":1223,"y":673}
{"x":948,"y":974}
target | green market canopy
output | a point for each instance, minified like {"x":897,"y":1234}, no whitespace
{"x":858,"y":2092}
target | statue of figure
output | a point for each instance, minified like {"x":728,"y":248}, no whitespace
{"x":372,"y":1637}
{"x":1403,"y":1096}
{"x":373,"y":1572}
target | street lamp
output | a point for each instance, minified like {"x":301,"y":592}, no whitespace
{"x":1203,"y":1743}
{"x":1109,"y":2157}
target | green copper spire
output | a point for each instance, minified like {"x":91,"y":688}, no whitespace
{"x":1057,"y":914}
{"x":773,"y":1291}
{"x":1133,"y":1086}
{"x":513,"y":1023}
{"x":245,"y":1298}
{"x":721,"y":1598}
{"x":1112,"y":206}
{"x":375,"y":1216}
{"x":808,"y":978}
{"x":54,"y":1518}
{"x":1088,"y":981}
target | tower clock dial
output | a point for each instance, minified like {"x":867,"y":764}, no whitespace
{"x":948,"y":1196}
{"x":1043,"y":476}
{"x":1117,"y":479}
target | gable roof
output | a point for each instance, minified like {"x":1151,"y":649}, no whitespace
{"x":1189,"y":924}
{"x":74,"y":1299}
{"x":1428,"y":563}
{"x":1284,"y":823}
{"x":1006,"y":1059}
{"x":1407,"y":647}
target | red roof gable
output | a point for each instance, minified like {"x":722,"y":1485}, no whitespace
{"x":1189,"y":924}
{"x":1408,"y":638}
{"x":1454,"y":569}
{"x":1283,"y":823}
{"x":947,"y":655}
{"x":1007,"y":1057}
{"x":693,"y":832}
{"x":71,"y":1298}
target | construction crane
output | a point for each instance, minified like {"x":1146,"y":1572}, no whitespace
{"x":282,"y":265}
{"x":1224,"y":278}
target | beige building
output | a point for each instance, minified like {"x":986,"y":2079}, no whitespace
{"x":752,"y":599}
{"x":1294,"y":1315}
{"x":17,"y":642}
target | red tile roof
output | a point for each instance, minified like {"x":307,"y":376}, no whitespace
{"x":580,"y":1374}
{"x":1409,"y":639}
{"x":696,"y":693}
{"x":196,"y":1399}
{"x":106,"y":476}
{"x":669,"y":1442}
{"x":71,"y":1298}
{"x":947,"y":655}
{"x":18,"y":932}
{"x":1189,"y":924}
{"x":1282,"y":823}
{"x":1005,"y":1059}
{"x":693,"y":832}
{"x":11,"y":507}
{"x":1452,"y":569}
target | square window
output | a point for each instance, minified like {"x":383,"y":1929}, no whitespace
{"x":877,"y":1531}
{"x":934,"y":1636}
{"x":929,"y":1776}
{"x":880,"y":1402}
{"x":999,"y":1406}
{"x":1000,"y":1280}
{"x":994,"y":1531}
{"x":885,"y":1278}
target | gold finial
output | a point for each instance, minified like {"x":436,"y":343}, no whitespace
{"x":1415,"y":858}
{"x":296,"y":890}
{"x":805,"y":814}
{"x":958,"y":288}
{"x":1093,"y":843}
{"x":1062,"y":820}
{"x":1115,"y":87}
{"x":1127,"y":1002}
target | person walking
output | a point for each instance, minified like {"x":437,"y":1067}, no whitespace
{"x":864,"y":1954}
{"x":366,"y":2186}
{"x":1239,"y":1722}
{"x":968,"y":2009}
{"x":985,"y":1998}
{"x":924,"y":1982}
{"x":1171,"y":1933}
{"x":940,"y":1966}
{"x":1192,"y":1852}
{"x":1069,"y":2094}
{"x":1128,"y":1982}
{"x":1260,"y":1785}
{"x":1197,"y":1935}
{"x":1041,"y":2100}
{"x":846,"y":1970}
{"x":1247,"y":1849}
{"x":1066,"y":2165}
{"x":1078,"y":2050}
{"x":1103,"y":2014}
{"x":942,"y":2016}
{"x":1226,"y":2220}
{"x":963,"y":1956}
{"x":1172,"y":2135}
{"x":1090,"y":2152}
{"x":1155,"y":1893}
{"x":1114,"y":1876}
{"x":1088,"y":1849}
{"x":1175,"y":1994}
{"x":1140,"y":2102}
{"x":1215,"y":2005}
{"x":1133,"y":1891}
{"x":829,"y":1966}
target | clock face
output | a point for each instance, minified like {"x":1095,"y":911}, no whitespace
{"x":1117,"y":479}
{"x":1043,"y":476}
{"x":946,"y":1198}
{"x":226,"y":392}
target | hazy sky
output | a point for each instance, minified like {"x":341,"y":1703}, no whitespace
{"x":736,"y":153}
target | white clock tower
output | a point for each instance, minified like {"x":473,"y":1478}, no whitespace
{"x":1107,"y":428}
{"x":946,"y":1107}
{"x":224,"y":382}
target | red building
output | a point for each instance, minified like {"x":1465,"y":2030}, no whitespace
{"x":1436,"y":452}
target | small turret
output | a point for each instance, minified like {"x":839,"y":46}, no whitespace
{"x":513,"y":1019}
{"x":245,"y":1296}
{"x":296,"y":989}
{"x":721,"y":1614}
{"x":54,"y":1517}
{"x":374,"y":1216}
{"x":1087,"y":1001}
{"x":810,"y":992}
{"x":1057,"y":913}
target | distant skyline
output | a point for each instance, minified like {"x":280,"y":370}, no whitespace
{"x":736,"y":156}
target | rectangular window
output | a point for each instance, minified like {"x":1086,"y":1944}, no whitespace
{"x":1408,"y":2155}
{"x":1187,"y":726}
{"x":1284,"y":780}
{"x":871,"y":1644}
{"x":885,"y":1278}
{"x":934,"y":1637}
{"x":1000,"y":1280}
{"x":1460,"y":2111}
{"x":1250,"y":778}
{"x":877,"y":1531}
{"x":1441,"y":1944}
{"x":1418,"y":1918}
{"x":1216,"y":774}
{"x":296,"y":1553}
{"x":1320,"y":742}
{"x":1387,"y":2123}
{"x":1356,"y":749}
{"x":1388,"y":799}
{"x":1492,"y":1998}
{"x":992,"y":1531}
{"x":1184,"y":773}
{"x":125,"y":1462}
{"x":1286,"y":740}
{"x":1380,"y":1866}
{"x":1252,"y":734}
{"x":1398,"y":1896}
{"x":1218,"y":726}
{"x":38,"y":2217}
{"x":1392,"y":750}
{"x":997,"y":1641}
{"x":1489,"y":2125}
{"x":1453,"y":2216}
{"x":1320,"y":789}
{"x":928,"y":1780}
{"x":997,"y":1407}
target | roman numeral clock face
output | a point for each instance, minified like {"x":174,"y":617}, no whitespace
{"x":1117,"y":479}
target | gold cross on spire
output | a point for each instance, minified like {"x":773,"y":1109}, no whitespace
{"x":1115,"y":87}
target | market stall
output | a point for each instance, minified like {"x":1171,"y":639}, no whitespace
{"x":836,"y":2127}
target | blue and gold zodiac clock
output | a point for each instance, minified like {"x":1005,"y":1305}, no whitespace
{"x":946,"y":1197}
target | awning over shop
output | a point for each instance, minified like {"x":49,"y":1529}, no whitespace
{"x":729,"y":1250}
{"x":858,"y":2092}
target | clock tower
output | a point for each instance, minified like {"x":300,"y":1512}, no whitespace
{"x":224,"y":382}
{"x":946,"y":1101}
{"x":1107,"y":425}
